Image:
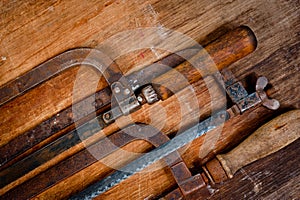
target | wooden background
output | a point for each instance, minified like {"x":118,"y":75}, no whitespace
{"x":33,"y":31}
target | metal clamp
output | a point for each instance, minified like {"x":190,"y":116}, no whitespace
{"x":240,"y":97}
{"x":190,"y":187}
{"x":125,"y":98}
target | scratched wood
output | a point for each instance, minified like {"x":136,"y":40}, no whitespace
{"x":148,"y":12}
{"x":262,"y":180}
{"x":33,"y":163}
{"x":32,"y":33}
{"x":144,"y":115}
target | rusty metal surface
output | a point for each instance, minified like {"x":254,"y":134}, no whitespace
{"x":159,"y":153}
{"x":238,"y":95}
{"x":50,"y":151}
{"x":84,"y":56}
{"x":84,"y":159}
{"x":174,"y":195}
{"x":191,"y":188}
{"x":248,"y":102}
{"x":124,"y":96}
{"x":52,"y":67}
{"x":50,"y":127}
{"x":64,"y":118}
{"x":72,"y":58}
{"x":218,"y":55}
{"x":215,"y":171}
{"x":189,"y":185}
{"x":194,"y":187}
{"x":38,"y":158}
{"x":180,"y":172}
{"x":236,"y":92}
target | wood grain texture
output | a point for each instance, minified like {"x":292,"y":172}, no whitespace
{"x":32,"y":32}
{"x":275,"y":177}
{"x":43,"y":111}
{"x":269,"y":138}
{"x":216,"y":56}
{"x":153,"y":115}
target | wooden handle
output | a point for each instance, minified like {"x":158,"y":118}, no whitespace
{"x":219,"y":54}
{"x":268,"y":139}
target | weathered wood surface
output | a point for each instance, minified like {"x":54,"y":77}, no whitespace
{"x":228,"y":49}
{"x":268,"y":139}
{"x":32,"y":32}
{"x":261,"y":179}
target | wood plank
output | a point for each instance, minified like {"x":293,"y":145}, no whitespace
{"x":266,"y":178}
{"x":43,"y":109}
{"x":35,"y":106}
{"x":141,"y":116}
{"x":276,"y":58}
{"x":232,"y":129}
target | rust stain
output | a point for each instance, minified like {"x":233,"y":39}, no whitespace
{"x":279,"y":126}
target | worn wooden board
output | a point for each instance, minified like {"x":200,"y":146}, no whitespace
{"x":45,"y":107}
{"x":262,"y":180}
{"x":32,"y":32}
